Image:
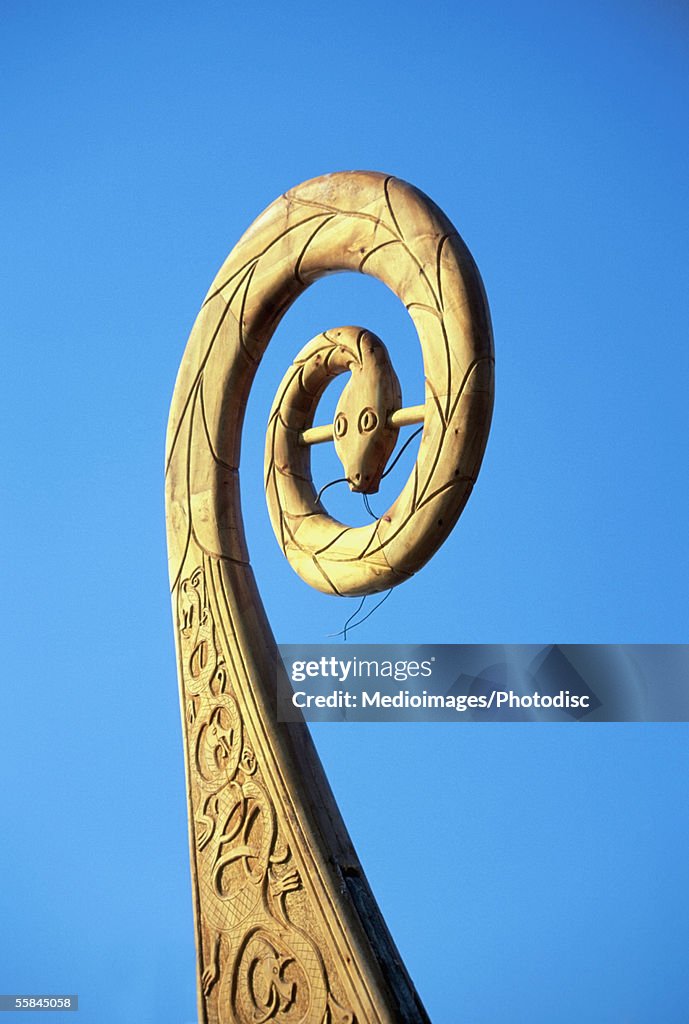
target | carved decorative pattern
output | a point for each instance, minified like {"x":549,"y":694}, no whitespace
{"x":258,"y":962}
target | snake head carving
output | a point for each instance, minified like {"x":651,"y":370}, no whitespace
{"x":364,"y":438}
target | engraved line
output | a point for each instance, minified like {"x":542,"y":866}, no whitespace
{"x":359,"y":340}
{"x":249,"y":277}
{"x":202,"y":365}
{"x":313,"y":556}
{"x":438,"y":268}
{"x":436,"y":399}
{"x":188,"y":482}
{"x":372,"y":252}
{"x":388,"y":539}
{"x":268,"y":474}
{"x":300,"y":547}
{"x":257,"y":256}
{"x":314,"y":559}
{"x":450,"y":483}
{"x":436,"y":458}
{"x":287,"y":472}
{"x":416,"y":484}
{"x":216,"y":457}
{"x":386,"y":187}
{"x":321,"y":348}
{"x":292,"y":516}
{"x":235,"y":273}
{"x":218,"y":554}
{"x":314,"y":395}
{"x":279,"y":399}
{"x":335,"y":539}
{"x":448,"y":367}
{"x":355,"y":214}
{"x":403,"y":240}
{"x":371,"y":540}
{"x":439,"y":446}
{"x":302,"y":254}
{"x":472,"y":366}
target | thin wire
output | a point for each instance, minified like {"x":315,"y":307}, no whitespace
{"x":343,"y":632}
{"x":374,"y":609}
{"x":342,"y":480}
{"x":367,"y":506}
{"x":400,"y":452}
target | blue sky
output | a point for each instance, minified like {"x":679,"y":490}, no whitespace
{"x":528,"y":873}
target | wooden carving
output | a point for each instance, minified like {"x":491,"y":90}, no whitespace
{"x":287,"y":928}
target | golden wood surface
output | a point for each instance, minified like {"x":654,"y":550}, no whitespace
{"x":287,"y":928}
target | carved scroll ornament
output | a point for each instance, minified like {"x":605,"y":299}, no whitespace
{"x":287,"y":928}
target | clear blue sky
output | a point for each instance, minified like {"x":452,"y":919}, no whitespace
{"x":530,"y":875}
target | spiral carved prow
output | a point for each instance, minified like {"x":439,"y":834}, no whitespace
{"x":279,"y":936}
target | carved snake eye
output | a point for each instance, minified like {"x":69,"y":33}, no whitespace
{"x":368,"y":421}
{"x":340,"y":425}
